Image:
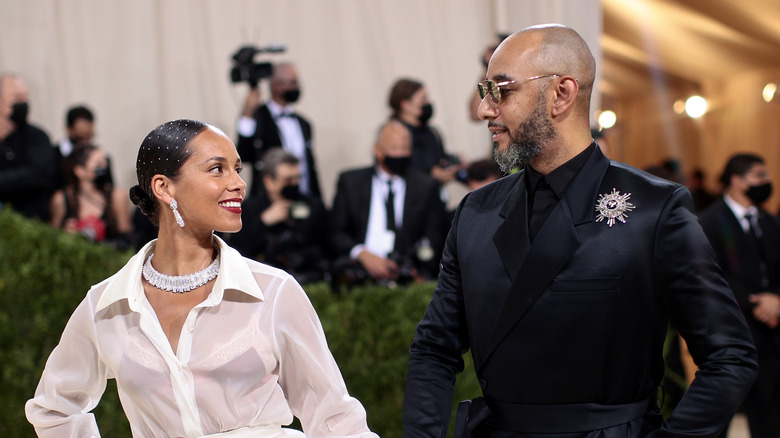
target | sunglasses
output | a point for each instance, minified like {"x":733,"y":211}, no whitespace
{"x":494,"y":89}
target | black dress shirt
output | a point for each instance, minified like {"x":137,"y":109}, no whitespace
{"x":544,"y":191}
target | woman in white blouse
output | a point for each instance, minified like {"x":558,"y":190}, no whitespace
{"x":201,"y":341}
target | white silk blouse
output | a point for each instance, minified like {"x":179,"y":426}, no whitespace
{"x":252,"y":354}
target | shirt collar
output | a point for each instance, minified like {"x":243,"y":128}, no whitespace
{"x":738,"y":210}
{"x":234,"y":273}
{"x":561,"y":176}
{"x":277,"y":110}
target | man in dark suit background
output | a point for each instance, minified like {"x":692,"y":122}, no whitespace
{"x":387,"y":219}
{"x":562,"y":278}
{"x":283,"y":227}
{"x":746,"y":240}
{"x":275,"y":124}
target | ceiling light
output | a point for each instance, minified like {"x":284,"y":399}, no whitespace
{"x":607,"y":119}
{"x":679,"y":106}
{"x":695,"y":107}
{"x":769,"y":91}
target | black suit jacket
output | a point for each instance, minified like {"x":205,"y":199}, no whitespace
{"x":423,"y":213}
{"x":588,"y":319}
{"x":252,"y":149}
{"x":740,"y":264}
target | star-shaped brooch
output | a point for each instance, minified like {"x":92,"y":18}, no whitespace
{"x":613,"y":206}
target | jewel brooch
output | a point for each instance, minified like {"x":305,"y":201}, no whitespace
{"x":613,"y":206}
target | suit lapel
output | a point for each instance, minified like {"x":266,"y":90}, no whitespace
{"x":533,"y":268}
{"x":363,"y":200}
{"x":511,"y":238}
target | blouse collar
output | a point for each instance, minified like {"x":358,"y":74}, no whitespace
{"x":234,"y":273}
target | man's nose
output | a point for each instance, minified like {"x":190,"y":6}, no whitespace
{"x":487,"y":109}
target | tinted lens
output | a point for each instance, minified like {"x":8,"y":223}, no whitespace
{"x":495,"y":93}
{"x":481,"y":89}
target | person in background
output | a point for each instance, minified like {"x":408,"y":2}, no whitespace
{"x":79,"y":128}
{"x":410,"y":105}
{"x":702,"y":198}
{"x":275,"y":124}
{"x":201,"y":341}
{"x":283,"y":227}
{"x":27,"y":162}
{"x":746,"y":239}
{"x":561,"y":279}
{"x":386,"y":219}
{"x":89,"y":203}
{"x":482,"y":172}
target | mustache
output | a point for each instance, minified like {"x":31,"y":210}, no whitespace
{"x":494,"y":124}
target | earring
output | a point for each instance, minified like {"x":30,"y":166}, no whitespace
{"x":176,"y":215}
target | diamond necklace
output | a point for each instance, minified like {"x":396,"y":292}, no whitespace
{"x":179,"y":283}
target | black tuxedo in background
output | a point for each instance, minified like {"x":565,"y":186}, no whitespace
{"x":252,"y":149}
{"x":741,"y":266}
{"x":423,"y":215}
{"x":585,"y":325}
{"x":297,"y":245}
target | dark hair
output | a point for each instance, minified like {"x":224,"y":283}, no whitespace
{"x":482,"y":170}
{"x":276,"y":156}
{"x":79,"y":157}
{"x":738,"y":165}
{"x":76,"y":113}
{"x":163,"y":152}
{"x":402,"y":90}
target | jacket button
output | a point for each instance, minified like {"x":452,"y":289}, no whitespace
{"x":483,"y":384}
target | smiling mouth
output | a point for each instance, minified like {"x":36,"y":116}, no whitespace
{"x":231,"y":204}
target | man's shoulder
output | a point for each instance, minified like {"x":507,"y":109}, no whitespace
{"x":32,"y":133}
{"x":358,"y":173}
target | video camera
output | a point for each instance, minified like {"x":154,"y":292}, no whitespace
{"x":245,"y":69}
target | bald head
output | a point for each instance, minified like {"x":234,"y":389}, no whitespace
{"x":555,"y":49}
{"x":394,"y":139}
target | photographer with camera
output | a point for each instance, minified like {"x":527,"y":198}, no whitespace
{"x":273,"y":124}
{"x":282,"y":226}
{"x":387,"y":219}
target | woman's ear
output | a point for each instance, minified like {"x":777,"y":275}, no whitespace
{"x":163,"y":188}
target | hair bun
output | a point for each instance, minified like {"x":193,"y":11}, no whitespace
{"x":142,"y":200}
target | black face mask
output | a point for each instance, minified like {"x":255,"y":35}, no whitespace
{"x":291,"y":192}
{"x":291,"y":96}
{"x":759,"y":193}
{"x":19,"y":113}
{"x":398,"y":165}
{"x":102,"y":177}
{"x":427,"y":113}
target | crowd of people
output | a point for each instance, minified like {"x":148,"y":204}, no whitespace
{"x":286,"y":223}
{"x":560,"y":279}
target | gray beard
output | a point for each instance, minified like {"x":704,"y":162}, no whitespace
{"x":529,"y":140}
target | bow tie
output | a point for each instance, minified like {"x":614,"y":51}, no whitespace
{"x":285,"y":115}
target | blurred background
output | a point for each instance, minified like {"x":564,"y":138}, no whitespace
{"x":140,"y":63}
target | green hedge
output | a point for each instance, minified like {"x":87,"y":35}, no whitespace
{"x":44,"y":274}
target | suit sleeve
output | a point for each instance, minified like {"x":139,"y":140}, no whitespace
{"x":436,"y":354}
{"x":342,"y":240}
{"x":703,"y":308}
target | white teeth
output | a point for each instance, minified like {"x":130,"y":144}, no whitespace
{"x":231,"y":204}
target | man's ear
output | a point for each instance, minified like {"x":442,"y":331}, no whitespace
{"x":566,"y":91}
{"x":163,"y":188}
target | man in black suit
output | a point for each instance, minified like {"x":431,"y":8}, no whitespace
{"x":27,"y":159}
{"x":746,"y":240}
{"x":283,"y":227}
{"x":387,"y":219}
{"x":275,"y":125}
{"x":561,"y":278}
